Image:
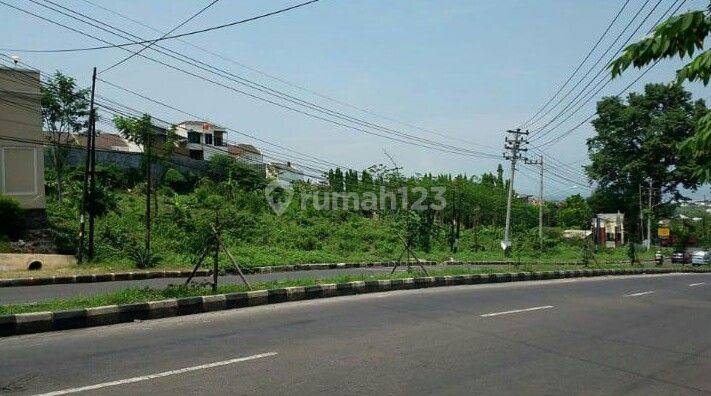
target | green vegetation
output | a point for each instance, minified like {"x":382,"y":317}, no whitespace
{"x":137,"y":295}
{"x":12,"y":218}
{"x":636,"y":142}
{"x":186,"y":206}
{"x":64,"y":110}
{"x":681,"y":35}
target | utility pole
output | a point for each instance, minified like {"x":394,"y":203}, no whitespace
{"x":148,"y":146}
{"x":640,"y":228}
{"x":512,"y":153}
{"x":649,"y":217}
{"x":92,"y":185}
{"x":87,"y":164}
{"x":540,"y":198}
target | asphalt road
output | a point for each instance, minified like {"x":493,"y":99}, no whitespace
{"x":639,"y":335}
{"x":28,"y":294}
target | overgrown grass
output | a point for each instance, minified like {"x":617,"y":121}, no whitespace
{"x":137,"y":295}
{"x":262,"y":238}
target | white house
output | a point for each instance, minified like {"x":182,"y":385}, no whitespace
{"x":284,"y":172}
{"x":204,"y":139}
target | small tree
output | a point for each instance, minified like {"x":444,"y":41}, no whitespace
{"x":142,"y":132}
{"x":64,"y":111}
{"x":632,"y":253}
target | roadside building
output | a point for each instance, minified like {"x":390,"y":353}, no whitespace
{"x":203,"y":139}
{"x":576,"y":234}
{"x":21,"y":138}
{"x":107,"y":141}
{"x":609,"y":229}
{"x":284,"y":172}
{"x":246,"y":152}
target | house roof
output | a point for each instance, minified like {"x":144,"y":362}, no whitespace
{"x":240,"y":149}
{"x":200,"y":123}
{"x":105,"y":141}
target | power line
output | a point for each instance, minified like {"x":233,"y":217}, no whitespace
{"x":136,"y":113}
{"x":571,"y":130}
{"x":162,"y":37}
{"x":402,"y":137}
{"x":582,"y":62}
{"x":165,"y":37}
{"x":606,"y":80}
{"x":292,"y":84}
{"x":602,"y":70}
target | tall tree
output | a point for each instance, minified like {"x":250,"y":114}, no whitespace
{"x":638,"y":140}
{"x":65,"y":110}
{"x":681,"y":35}
{"x":574,"y":212}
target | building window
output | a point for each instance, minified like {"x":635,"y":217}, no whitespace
{"x":218,"y":138}
{"x":193,"y":137}
{"x":208,"y":139}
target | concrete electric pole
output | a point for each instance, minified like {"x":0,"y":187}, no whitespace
{"x":513,"y":147}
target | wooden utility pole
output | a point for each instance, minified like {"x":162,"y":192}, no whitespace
{"x":148,"y":148}
{"x":649,"y":217}
{"x":513,"y":147}
{"x":92,"y":186}
{"x":216,"y":258}
{"x":87,"y":164}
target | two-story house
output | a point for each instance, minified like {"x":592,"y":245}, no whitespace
{"x":203,"y":139}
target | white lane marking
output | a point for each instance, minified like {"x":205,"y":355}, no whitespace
{"x":697,"y":284}
{"x":516,"y":311}
{"x":638,"y":294}
{"x":158,"y":375}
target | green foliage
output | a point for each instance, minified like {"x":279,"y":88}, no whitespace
{"x":64,"y":107}
{"x":574,"y":212}
{"x":175,"y":180}
{"x":631,"y":252}
{"x":183,"y":220}
{"x":237,"y":174}
{"x":638,"y":140}
{"x":680,"y":35}
{"x":143,"y":259}
{"x":12,"y":218}
{"x":64,"y":110}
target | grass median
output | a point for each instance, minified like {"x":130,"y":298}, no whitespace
{"x":144,"y":294}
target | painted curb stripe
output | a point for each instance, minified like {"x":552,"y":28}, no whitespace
{"x":98,"y":316}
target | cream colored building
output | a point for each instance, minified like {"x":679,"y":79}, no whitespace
{"x":21,"y":153}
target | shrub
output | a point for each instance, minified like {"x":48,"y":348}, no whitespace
{"x":12,"y":218}
{"x":144,"y":259}
{"x":175,"y":180}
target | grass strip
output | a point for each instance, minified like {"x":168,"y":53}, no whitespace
{"x":144,"y":294}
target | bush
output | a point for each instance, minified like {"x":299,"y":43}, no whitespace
{"x":12,"y":218}
{"x":143,"y":259}
{"x":175,"y":180}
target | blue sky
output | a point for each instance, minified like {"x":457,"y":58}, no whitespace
{"x":468,"y":69}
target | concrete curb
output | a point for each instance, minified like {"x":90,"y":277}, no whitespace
{"x":138,"y":275}
{"x":38,"y":322}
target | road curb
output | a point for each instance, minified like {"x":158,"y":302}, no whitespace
{"x":140,"y":275}
{"x":38,"y":322}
